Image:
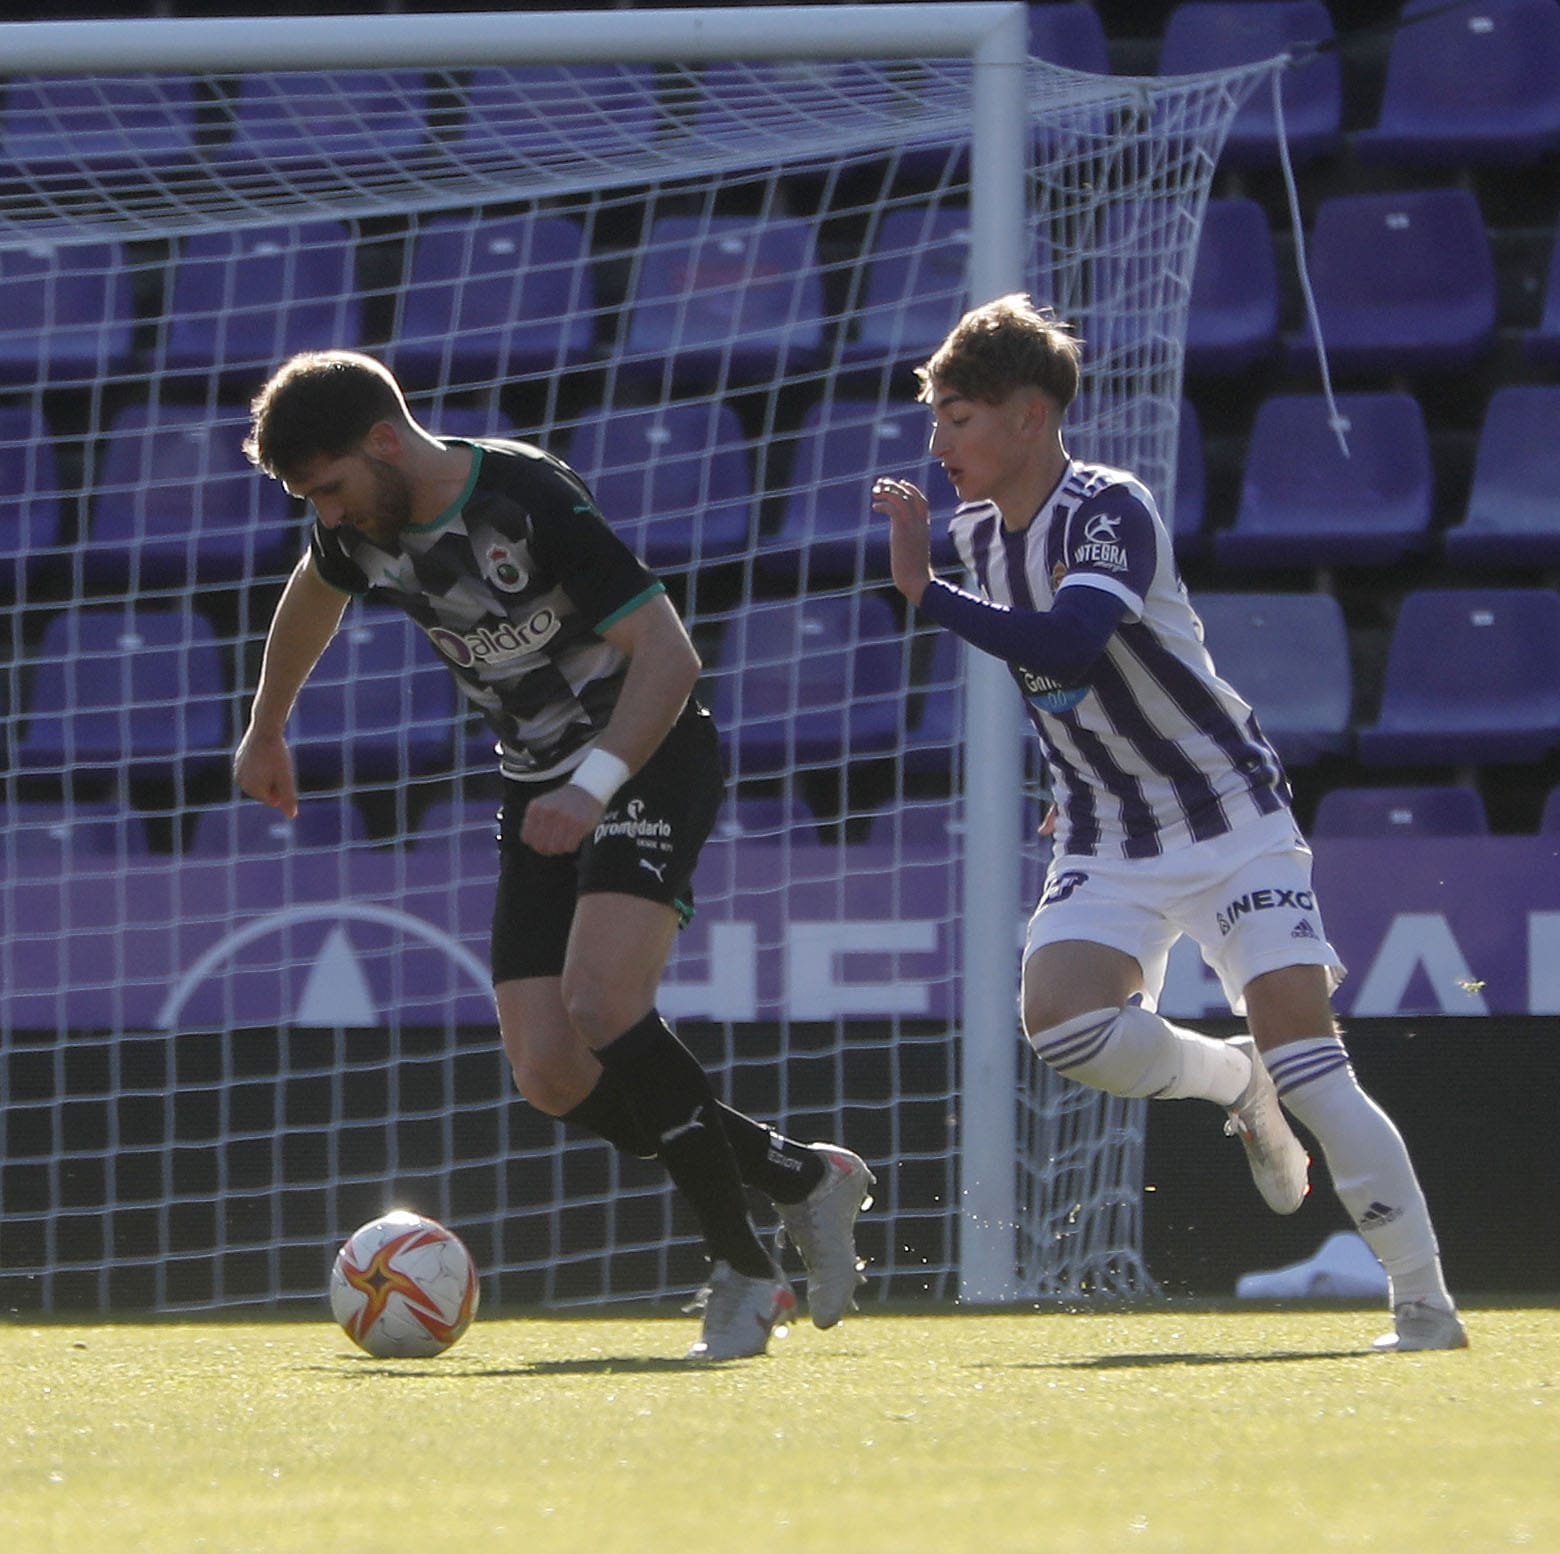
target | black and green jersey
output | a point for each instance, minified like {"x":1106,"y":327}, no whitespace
{"x":513,"y":585}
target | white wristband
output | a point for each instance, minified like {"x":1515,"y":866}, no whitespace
{"x":600,"y":774}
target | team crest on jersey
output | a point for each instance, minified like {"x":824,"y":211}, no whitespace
{"x":1101,"y":547}
{"x":501,"y":569}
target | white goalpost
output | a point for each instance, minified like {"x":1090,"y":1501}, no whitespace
{"x":697,"y":253}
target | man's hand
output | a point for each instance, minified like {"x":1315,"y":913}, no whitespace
{"x":909,"y":534}
{"x":559,"y":821}
{"x":263,"y":768}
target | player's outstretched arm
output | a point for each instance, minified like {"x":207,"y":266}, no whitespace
{"x":306,"y":619}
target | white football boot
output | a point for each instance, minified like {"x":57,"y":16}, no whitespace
{"x":739,"y":1314}
{"x":822,"y":1228}
{"x":1278,"y":1161}
{"x":1417,"y":1325}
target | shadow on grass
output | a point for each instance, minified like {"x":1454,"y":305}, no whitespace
{"x":598,"y":1365}
{"x":1115,"y":1362}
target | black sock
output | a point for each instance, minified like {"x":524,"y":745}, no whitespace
{"x":607,"y":1114}
{"x":777,"y":1166}
{"x":669,"y":1094}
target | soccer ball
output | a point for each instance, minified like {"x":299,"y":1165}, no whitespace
{"x":404,"y":1287}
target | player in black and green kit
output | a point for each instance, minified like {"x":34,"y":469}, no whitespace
{"x":580,"y":664}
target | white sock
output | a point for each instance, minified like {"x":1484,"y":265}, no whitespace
{"x":1132,"y":1052}
{"x":1371,"y":1171}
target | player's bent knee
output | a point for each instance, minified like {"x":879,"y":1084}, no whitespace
{"x":1124,"y":1051}
{"x":548,"y":1090}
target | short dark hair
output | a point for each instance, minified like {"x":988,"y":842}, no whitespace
{"x":320,"y":404}
{"x":1005,"y":345}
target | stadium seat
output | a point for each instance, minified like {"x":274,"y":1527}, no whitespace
{"x":247,"y":829}
{"x":1304,"y":504}
{"x":1287,"y":654}
{"x":915,"y":284}
{"x":176,"y":502}
{"x":1232,"y":323}
{"x":723,"y":297}
{"x":30,"y":536}
{"x":1212,"y":34}
{"x":1549,"y":818}
{"x":1404,"y":282}
{"x":244,"y":301}
{"x":1478,"y":84}
{"x":767,"y":818}
{"x":379,"y":706}
{"x":728,"y":103}
{"x":67,"y":130}
{"x":66,"y":312}
{"x":1513,"y":516}
{"x":809,"y":682}
{"x":112,"y":689}
{"x":1543,"y":342}
{"x":1437,"y":810}
{"x":1069,"y":34}
{"x":1473,"y":676}
{"x":828,"y":532}
{"x":47,"y":839}
{"x":674,"y":481}
{"x":510,"y":111}
{"x":490,"y":298}
{"x":288,"y":125}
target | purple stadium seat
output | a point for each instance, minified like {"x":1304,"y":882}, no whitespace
{"x":1212,"y":34}
{"x":1444,"y":810}
{"x":810,"y":682}
{"x":1549,"y":820}
{"x":1288,"y":656}
{"x":916,"y":284}
{"x":828,"y":531}
{"x":491,"y":298}
{"x":30,"y":545}
{"x":379,"y":706}
{"x":509,"y":112}
{"x":177,"y":502}
{"x":673,"y":481}
{"x":66,"y":312}
{"x":767,"y":818}
{"x":1069,"y":34}
{"x":461,"y":822}
{"x":74,"y":129}
{"x":288,"y":125}
{"x":1473,"y":676}
{"x":113,"y":689}
{"x":1543,"y":344}
{"x":1303,"y":504}
{"x":723,"y":297}
{"x":47,"y":839}
{"x":1232,"y":323}
{"x":1513,"y":518}
{"x":1404,"y":282}
{"x":1478,"y":84}
{"x":244,"y":301}
{"x":246,"y":829}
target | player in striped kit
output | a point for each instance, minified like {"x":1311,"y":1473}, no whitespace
{"x":572,"y":652}
{"x":1172,"y":812}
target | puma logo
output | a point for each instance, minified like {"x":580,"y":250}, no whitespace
{"x":657,"y":869}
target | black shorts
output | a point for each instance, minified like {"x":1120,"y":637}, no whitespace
{"x":646,"y":845}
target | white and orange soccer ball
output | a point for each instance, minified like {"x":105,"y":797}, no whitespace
{"x":404,"y":1287}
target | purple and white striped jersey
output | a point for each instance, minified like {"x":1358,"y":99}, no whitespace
{"x":1154,"y":750}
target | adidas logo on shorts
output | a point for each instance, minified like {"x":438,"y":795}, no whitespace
{"x":1303,"y":930}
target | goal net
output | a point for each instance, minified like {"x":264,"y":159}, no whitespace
{"x":698,"y":255}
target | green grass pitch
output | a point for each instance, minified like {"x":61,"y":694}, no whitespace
{"x":1035,"y":1431}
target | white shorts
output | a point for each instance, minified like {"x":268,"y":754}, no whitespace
{"x":1245,"y":897}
